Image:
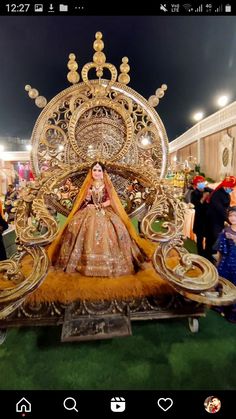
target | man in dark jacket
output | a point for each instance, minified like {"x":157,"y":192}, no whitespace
{"x":218,"y":203}
{"x":199,"y":196}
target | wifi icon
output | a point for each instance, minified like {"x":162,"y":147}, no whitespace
{"x":188,"y":7}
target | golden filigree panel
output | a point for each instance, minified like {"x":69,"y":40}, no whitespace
{"x":78,"y":127}
{"x":101,"y":132}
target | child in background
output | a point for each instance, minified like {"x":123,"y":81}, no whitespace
{"x":226,"y":247}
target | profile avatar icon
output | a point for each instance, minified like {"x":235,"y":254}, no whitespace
{"x":212,"y":404}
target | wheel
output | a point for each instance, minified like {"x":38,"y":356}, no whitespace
{"x":3,"y":335}
{"x":193,"y":324}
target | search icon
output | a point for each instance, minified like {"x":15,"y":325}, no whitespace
{"x":70,"y":404}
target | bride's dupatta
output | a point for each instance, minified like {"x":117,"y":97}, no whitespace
{"x":52,"y":250}
{"x":147,"y":246}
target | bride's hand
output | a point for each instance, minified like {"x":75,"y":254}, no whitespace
{"x":91,"y":206}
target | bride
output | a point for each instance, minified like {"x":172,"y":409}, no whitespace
{"x":98,"y":238}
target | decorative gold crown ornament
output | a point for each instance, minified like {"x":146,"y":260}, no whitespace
{"x":40,"y":101}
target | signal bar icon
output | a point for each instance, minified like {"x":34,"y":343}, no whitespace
{"x":219,"y":9}
{"x":199,"y":9}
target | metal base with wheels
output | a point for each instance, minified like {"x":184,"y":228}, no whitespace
{"x":193,"y":323}
{"x":90,"y":320}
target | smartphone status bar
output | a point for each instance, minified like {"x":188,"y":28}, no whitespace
{"x":101,"y":8}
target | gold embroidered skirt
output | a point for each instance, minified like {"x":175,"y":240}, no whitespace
{"x":97,"y":243}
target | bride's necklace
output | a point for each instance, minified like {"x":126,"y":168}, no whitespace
{"x":98,"y":185}
{"x":97,"y":191}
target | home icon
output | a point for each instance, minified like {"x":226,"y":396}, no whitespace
{"x":23,"y":406}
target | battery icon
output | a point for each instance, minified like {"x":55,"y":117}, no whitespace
{"x":228,"y":8}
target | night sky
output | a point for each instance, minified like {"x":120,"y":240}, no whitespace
{"x":194,"y":55}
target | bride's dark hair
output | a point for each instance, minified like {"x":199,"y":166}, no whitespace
{"x":100,"y":164}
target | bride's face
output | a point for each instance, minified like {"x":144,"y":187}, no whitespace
{"x":97,"y":172}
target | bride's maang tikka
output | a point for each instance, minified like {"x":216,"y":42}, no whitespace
{"x":98,"y":166}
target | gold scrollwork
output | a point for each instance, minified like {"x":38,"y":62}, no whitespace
{"x":223,"y":294}
{"x":170,"y":210}
{"x":14,"y":295}
{"x":189,"y":271}
{"x":32,"y":234}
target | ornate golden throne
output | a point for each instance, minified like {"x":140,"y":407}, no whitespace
{"x":102,"y":118}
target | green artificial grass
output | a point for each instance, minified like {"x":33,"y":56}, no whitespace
{"x":161,"y":354}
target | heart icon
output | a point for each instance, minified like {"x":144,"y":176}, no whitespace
{"x":165,"y":404}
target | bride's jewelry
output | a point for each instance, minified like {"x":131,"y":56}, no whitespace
{"x":97,"y":184}
{"x":97,"y":194}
